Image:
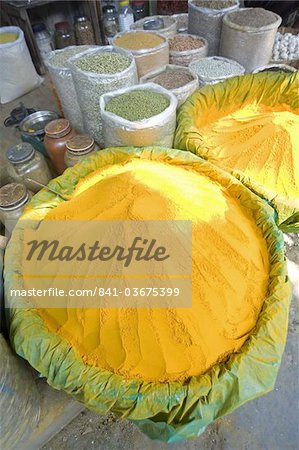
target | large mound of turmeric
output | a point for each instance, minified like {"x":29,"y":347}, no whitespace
{"x":230,"y":271}
{"x":260,"y":141}
{"x":249,"y":126}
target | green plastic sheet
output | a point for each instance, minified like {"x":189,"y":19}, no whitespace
{"x":271,"y":89}
{"x":166,"y":411}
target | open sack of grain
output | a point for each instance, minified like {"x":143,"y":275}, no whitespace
{"x":141,"y":115}
{"x":170,"y":370}
{"x":177,"y":79}
{"x":150,"y":49}
{"x":95,"y":72}
{"x":18,"y":74}
{"x":249,"y":126}
{"x":61,"y":76}
{"x":205,"y":19}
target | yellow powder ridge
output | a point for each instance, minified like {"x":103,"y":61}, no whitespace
{"x":260,"y":141}
{"x":5,"y":38}
{"x":230,"y":272}
{"x":138,"y":40}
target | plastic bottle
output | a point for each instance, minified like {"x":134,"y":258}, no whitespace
{"x":43,"y":39}
{"x":126,"y":16}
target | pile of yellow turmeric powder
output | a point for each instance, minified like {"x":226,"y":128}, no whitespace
{"x":260,"y":141}
{"x":230,"y":272}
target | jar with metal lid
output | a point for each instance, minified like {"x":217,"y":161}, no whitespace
{"x":58,"y":132}
{"x":139,"y":10}
{"x":84,"y":31}
{"x":64,"y":35}
{"x":110,"y":22}
{"x":13,"y":199}
{"x":29,"y":164}
{"x":78,"y":148}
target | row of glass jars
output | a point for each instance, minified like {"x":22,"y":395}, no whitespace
{"x":113,"y":20}
{"x":65,"y":149}
{"x":82,"y":34}
{"x":63,"y":145}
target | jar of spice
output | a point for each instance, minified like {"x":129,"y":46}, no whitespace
{"x":64,"y":35}
{"x":13,"y":199}
{"x":78,"y":148}
{"x":29,"y":163}
{"x":58,"y":132}
{"x":84,"y":31}
{"x":110,"y":22}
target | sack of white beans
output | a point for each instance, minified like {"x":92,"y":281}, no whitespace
{"x":215,"y":69}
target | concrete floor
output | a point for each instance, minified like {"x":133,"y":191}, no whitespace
{"x":267,"y":423}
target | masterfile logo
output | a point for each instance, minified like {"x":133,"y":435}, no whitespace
{"x":106,"y":264}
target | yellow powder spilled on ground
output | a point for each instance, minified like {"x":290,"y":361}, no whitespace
{"x":262,"y":143}
{"x":230,"y":272}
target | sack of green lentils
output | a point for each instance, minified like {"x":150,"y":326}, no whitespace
{"x":205,"y":19}
{"x":141,"y":115}
{"x":177,"y":79}
{"x":185,"y":48}
{"x":61,"y":77}
{"x":98,"y":71}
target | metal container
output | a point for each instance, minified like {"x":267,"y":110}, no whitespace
{"x":166,"y":25}
{"x":33,"y":126}
{"x":153,"y":24}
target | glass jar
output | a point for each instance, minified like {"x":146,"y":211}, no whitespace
{"x":43,"y":39}
{"x":84,"y":31}
{"x":29,"y":163}
{"x":64,"y":35}
{"x":110,"y":22}
{"x":13,"y":199}
{"x":58,"y":132}
{"x":139,"y":10}
{"x":78,"y":148}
